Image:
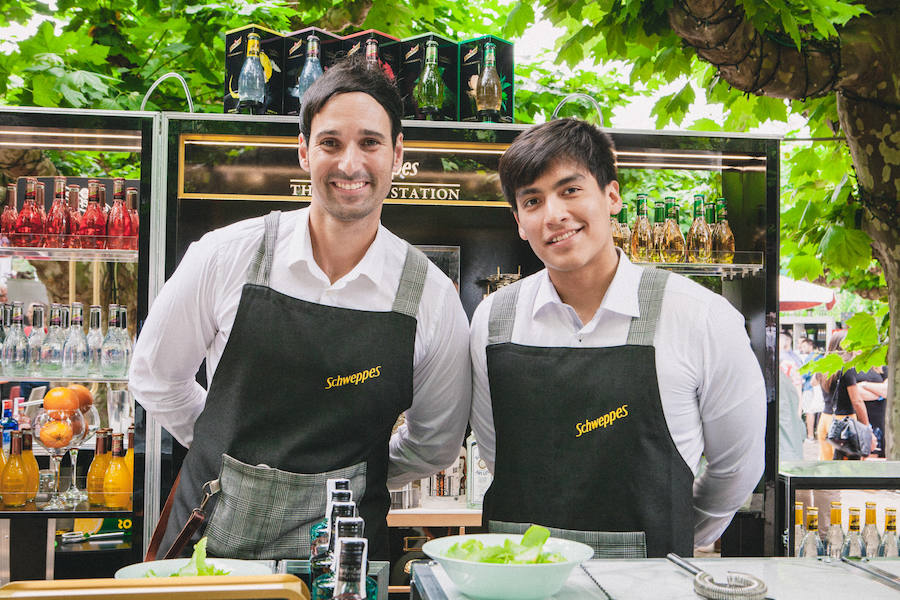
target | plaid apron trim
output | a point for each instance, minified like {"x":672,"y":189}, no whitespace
{"x":650,"y":295}
{"x":606,"y":544}
{"x":503,"y":314}
{"x":412,"y":282}
{"x":261,"y":261}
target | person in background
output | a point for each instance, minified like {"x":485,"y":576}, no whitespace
{"x":598,"y":384}
{"x":874,"y":394}
{"x":811,"y":399}
{"x":790,"y":426}
{"x":829,"y":393}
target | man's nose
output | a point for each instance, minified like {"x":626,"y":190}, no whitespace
{"x":555,"y":209}
{"x":351,"y":159}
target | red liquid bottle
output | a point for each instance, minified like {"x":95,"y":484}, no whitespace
{"x":74,"y":217}
{"x":57,"y":229}
{"x":29,"y":222}
{"x":8,"y":218}
{"x":92,"y":228}
{"x":118,"y":225}
{"x":131,"y":201}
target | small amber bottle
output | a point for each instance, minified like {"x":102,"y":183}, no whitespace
{"x":31,"y":465}
{"x":117,"y":481}
{"x":14,"y":479}
{"x":129,"y":453}
{"x":97,"y":470}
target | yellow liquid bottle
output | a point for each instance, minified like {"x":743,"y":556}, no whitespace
{"x":14,"y":479}
{"x":659,"y":221}
{"x":31,"y":465}
{"x":97,"y":470}
{"x":642,"y":233}
{"x":129,"y":453}
{"x":699,"y":237}
{"x":673,"y":240}
{"x":723,"y":238}
{"x":117,"y":481}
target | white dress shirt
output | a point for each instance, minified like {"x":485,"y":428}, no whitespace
{"x":192,"y":317}
{"x":710,"y":383}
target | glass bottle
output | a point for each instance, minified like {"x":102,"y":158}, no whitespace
{"x":117,"y":481}
{"x":92,"y":226}
{"x":31,"y":466}
{"x":118,"y":225}
{"x":350,"y":570}
{"x":102,"y":200}
{"x":8,"y":423}
{"x":73,"y":241}
{"x":94,"y":341}
{"x":673,"y":240}
{"x":112,"y":351}
{"x":252,"y":80}
{"x":642,"y":233}
{"x":323,"y":585}
{"x":853,"y":546}
{"x":97,"y":470}
{"x":699,"y":239}
{"x":75,"y":349}
{"x":52,"y":345}
{"x":29,"y":230}
{"x":372,"y":61}
{"x":429,"y":90}
{"x":58,"y":219}
{"x":811,"y":545}
{"x":15,"y":345}
{"x":723,"y":238}
{"x":659,"y":221}
{"x":799,"y":530}
{"x":337,"y":489}
{"x":834,"y":538}
{"x":36,"y":339}
{"x":125,"y":335}
{"x":322,"y":561}
{"x":14,"y":479}
{"x":40,"y":206}
{"x":870,"y":536}
{"x":312,"y":68}
{"x":131,"y":202}
{"x":129,"y":453}
{"x":489,"y":91}
{"x":890,"y":545}
{"x":624,"y":230}
{"x":9,"y":216}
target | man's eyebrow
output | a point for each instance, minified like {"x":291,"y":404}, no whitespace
{"x":363,"y":132}
{"x":561,"y":182}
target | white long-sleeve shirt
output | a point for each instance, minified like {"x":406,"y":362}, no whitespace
{"x":192,"y":317}
{"x":710,"y":383}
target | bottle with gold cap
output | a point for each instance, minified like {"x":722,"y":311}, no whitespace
{"x":811,"y":545}
{"x":31,"y":465}
{"x":890,"y":545}
{"x":870,"y":535}
{"x":834,"y":538}
{"x":117,"y":481}
{"x":799,"y":530}
{"x":853,"y":546}
{"x":14,"y":479}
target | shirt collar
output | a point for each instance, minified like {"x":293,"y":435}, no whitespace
{"x":621,"y":296}
{"x":301,"y":253}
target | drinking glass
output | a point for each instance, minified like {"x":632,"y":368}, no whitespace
{"x":118,"y":410}
{"x":92,"y":423}
{"x":57,"y":431}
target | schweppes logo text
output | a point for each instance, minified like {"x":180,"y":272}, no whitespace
{"x":470,"y":53}
{"x":601,"y":422}
{"x":354,"y":378}
{"x":297,"y":45}
{"x":236,"y":43}
{"x":411,"y":52}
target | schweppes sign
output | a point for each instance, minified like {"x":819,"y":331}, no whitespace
{"x":357,"y":378}
{"x":601,"y":422}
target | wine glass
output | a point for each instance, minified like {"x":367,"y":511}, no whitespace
{"x":57,"y":431}
{"x":92,"y":423}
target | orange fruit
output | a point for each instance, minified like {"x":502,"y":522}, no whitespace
{"x":85,"y":397}
{"x":56,"y":434}
{"x":60,"y":398}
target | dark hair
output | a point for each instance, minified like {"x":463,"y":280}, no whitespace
{"x":539,"y":148}
{"x":834,"y":346}
{"x":346,"y":76}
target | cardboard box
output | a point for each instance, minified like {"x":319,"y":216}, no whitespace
{"x":471,"y":59}
{"x":412,"y":53}
{"x":295,"y":57}
{"x":388,"y":49}
{"x":271,"y":50}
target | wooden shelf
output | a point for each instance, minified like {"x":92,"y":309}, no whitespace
{"x":434,"y":517}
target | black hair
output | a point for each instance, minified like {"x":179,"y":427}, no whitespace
{"x":351,"y":75}
{"x":542,"y":146}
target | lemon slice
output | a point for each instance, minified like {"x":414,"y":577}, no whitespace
{"x":267,"y":65}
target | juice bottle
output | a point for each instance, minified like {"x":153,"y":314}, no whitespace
{"x":31,"y":465}
{"x":97,"y":470}
{"x":117,"y":481}
{"x":129,"y":454}
{"x":14,"y":479}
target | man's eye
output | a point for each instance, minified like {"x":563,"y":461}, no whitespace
{"x":370,"y":142}
{"x":328,"y":143}
{"x":571,"y":190}
{"x":529,"y":202}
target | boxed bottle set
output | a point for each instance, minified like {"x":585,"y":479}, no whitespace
{"x":486,"y":74}
{"x":428,"y":80}
{"x":254,"y":70}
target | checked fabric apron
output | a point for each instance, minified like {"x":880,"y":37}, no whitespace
{"x":582,"y":443}
{"x":303,"y":392}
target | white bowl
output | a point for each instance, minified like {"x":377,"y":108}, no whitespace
{"x":490,"y":581}
{"x":164,"y":568}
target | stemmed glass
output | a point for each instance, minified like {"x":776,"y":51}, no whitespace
{"x":92,"y":423}
{"x":57,"y":431}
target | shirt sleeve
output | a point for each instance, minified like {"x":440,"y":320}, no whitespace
{"x":482,"y":415}
{"x":431,"y":436}
{"x":732,"y":400}
{"x":172,"y":344}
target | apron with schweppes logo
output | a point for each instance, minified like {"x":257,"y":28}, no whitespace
{"x":582,"y":445}
{"x":303,"y":392}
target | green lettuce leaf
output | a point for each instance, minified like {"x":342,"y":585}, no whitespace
{"x":509,"y":552}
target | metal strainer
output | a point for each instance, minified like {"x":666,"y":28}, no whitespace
{"x":739,"y":586}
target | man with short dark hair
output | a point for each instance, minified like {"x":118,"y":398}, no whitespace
{"x":597,"y":384}
{"x":319,"y":328}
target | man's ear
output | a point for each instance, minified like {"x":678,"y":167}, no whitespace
{"x":615,"y":200}
{"x":303,"y":152}
{"x":398,"y":153}
{"x":519,"y":225}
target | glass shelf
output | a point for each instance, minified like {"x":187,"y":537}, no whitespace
{"x":744,"y":264}
{"x":61,"y":379}
{"x":71,"y":254}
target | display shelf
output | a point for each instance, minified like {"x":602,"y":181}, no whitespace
{"x":42,"y":379}
{"x":744,"y":264}
{"x":434,"y":517}
{"x":71,"y":254}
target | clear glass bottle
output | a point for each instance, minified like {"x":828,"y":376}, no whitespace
{"x":870,"y":536}
{"x":723,"y":238}
{"x":337,"y":489}
{"x":323,"y":585}
{"x":252,"y":80}
{"x":489,"y":92}
{"x":125,"y":335}
{"x":117,"y":480}
{"x":92,"y":225}
{"x":15,"y":345}
{"x":673,"y":240}
{"x":57,"y":229}
{"x":94,"y":341}
{"x":29,"y":230}
{"x":75,"y":350}
{"x":799,"y":530}
{"x":890,"y":544}
{"x":699,"y":239}
{"x":624,"y":230}
{"x":312,"y":68}
{"x":113,"y":356}
{"x":118,"y":224}
{"x":642,"y":233}
{"x":372,"y":61}
{"x":53,"y":344}
{"x":834,"y":538}
{"x":811,"y":545}
{"x":36,"y":339}
{"x":350,"y":570}
{"x":853,"y":546}
{"x":429,"y":90}
{"x":8,"y":217}
{"x":14,"y":479}
{"x":322,"y":561}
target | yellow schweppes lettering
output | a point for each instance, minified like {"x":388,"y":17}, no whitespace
{"x":601,"y":422}
{"x":353,"y":378}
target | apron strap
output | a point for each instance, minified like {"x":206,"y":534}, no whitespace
{"x":503,"y":314}
{"x":412,"y":281}
{"x":650,"y":295}
{"x":261,"y":262}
